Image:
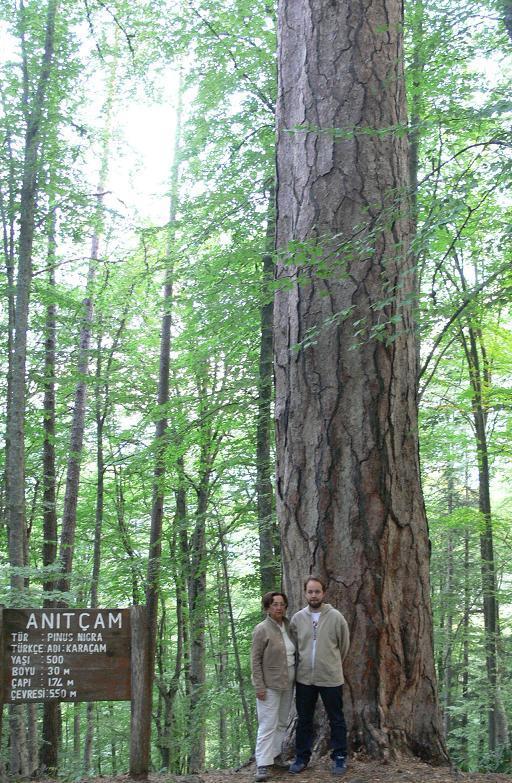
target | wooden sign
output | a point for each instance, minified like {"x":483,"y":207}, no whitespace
{"x":66,"y":655}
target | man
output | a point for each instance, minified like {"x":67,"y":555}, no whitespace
{"x":322,"y":638}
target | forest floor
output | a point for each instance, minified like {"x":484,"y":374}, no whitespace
{"x":360,"y":771}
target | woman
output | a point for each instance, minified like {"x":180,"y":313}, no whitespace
{"x":273,"y":675}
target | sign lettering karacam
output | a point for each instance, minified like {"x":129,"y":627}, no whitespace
{"x":66,"y":655}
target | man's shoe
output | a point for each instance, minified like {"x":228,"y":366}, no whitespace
{"x":339,"y":765}
{"x":261,"y":774}
{"x":280,"y":763}
{"x":299,"y":765}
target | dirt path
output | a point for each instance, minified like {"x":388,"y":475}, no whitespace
{"x":360,"y":771}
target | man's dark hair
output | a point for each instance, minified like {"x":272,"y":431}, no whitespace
{"x":269,"y":597}
{"x":315,"y":578}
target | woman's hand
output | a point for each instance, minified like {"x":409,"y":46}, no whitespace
{"x":261,"y":695}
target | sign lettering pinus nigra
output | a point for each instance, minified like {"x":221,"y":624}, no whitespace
{"x":66,"y":655}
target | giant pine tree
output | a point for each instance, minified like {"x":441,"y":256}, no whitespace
{"x":348,"y":490}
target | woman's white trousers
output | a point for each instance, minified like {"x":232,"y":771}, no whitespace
{"x":273,"y":712}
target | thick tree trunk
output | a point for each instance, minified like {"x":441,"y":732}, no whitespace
{"x":348,"y":490}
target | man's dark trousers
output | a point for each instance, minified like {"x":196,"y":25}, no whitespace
{"x":306,"y":697}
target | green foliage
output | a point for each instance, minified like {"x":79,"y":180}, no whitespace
{"x":226,"y":54}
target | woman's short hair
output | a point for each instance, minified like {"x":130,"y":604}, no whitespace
{"x":315,"y":578}
{"x":269,"y":597}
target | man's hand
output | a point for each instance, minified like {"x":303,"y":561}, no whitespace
{"x":261,"y":695}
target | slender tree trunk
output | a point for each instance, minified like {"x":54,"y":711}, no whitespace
{"x":8,"y":211}
{"x":68,"y":529}
{"x":88,"y":764}
{"x":348,"y":488}
{"x":113,"y":740}
{"x":268,"y":533}
{"x":100,"y":414}
{"x":417,"y":70}
{"x":448,"y":643}
{"x":222,"y":672}
{"x":32,"y":738}
{"x":497,"y":730}
{"x":446,"y":670}
{"x":15,"y":434}
{"x":67,"y":540}
{"x":235,"y":733}
{"x":465,"y":654}
{"x":162,"y":424}
{"x":125,"y":536}
{"x":18,"y":745}
{"x":48,"y":755}
{"x":15,"y":429}
{"x":414,"y":136}
{"x":197,"y":614}
{"x":169,"y":691}
{"x":507,"y":16}
{"x":234,"y":640}
{"x":77,"y":714}
{"x":98,"y":740}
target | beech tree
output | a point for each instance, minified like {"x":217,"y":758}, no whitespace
{"x":348,"y":485}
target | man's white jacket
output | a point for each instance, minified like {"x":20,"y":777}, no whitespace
{"x":332,"y":643}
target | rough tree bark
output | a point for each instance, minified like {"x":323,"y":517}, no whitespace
{"x":348,"y":490}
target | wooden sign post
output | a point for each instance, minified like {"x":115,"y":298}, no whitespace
{"x":80,"y":655}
